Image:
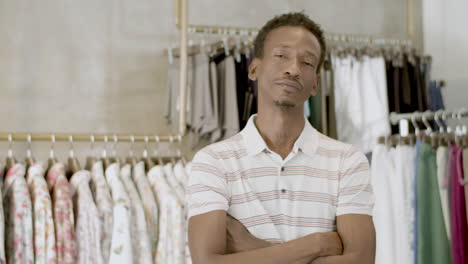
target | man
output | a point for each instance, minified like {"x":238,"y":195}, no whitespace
{"x":279,"y":191}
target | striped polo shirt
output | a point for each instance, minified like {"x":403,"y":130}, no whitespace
{"x":280,"y":200}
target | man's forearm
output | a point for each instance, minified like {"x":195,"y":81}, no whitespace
{"x":350,"y":258}
{"x":295,"y":251}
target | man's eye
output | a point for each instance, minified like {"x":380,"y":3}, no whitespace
{"x":308,"y":64}
{"x":279,"y":55}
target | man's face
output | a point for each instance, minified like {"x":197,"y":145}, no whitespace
{"x":286,"y":74}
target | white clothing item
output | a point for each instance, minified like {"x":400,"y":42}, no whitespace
{"x":442,"y":155}
{"x":361,"y":103}
{"x":121,"y":247}
{"x":181,"y":176}
{"x":149,"y":204}
{"x":139,"y":231}
{"x":88,"y":224}
{"x":404,"y":198}
{"x":43,"y":222}
{"x":174,"y":183}
{"x":103,"y":201}
{"x":280,"y":200}
{"x":382,"y":170}
{"x":171,"y":221}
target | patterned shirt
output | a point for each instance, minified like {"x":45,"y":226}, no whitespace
{"x":149,"y":204}
{"x":44,"y":231}
{"x":140,"y":239}
{"x":18,"y":217}
{"x":280,"y":199}
{"x":64,"y":221}
{"x":2,"y":226}
{"x":171,"y":220}
{"x":121,"y":247}
{"x":88,"y":225}
{"x":181,"y":176}
{"x":103,"y":199}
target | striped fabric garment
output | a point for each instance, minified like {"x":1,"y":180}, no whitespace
{"x":280,"y":200}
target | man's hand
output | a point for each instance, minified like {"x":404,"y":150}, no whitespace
{"x":239,"y":239}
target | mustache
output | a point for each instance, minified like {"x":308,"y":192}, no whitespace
{"x":290,"y":82}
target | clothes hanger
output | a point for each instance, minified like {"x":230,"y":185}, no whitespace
{"x":131,"y":156}
{"x":179,"y":152}
{"x":29,"y":160}
{"x":10,"y":159}
{"x":172,"y":157}
{"x":145,"y":158}
{"x":427,"y":135}
{"x":157,"y":159}
{"x":439,"y":136}
{"x":417,"y":131}
{"x":91,"y":159}
{"x":73,"y":163}
{"x":113,"y":158}
{"x":52,"y":159}
{"x":106,"y":160}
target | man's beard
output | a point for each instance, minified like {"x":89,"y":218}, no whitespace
{"x":285,"y":105}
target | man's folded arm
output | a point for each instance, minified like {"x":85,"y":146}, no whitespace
{"x":207,"y":240}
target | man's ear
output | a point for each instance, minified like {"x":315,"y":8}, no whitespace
{"x":315,"y":88}
{"x":253,"y":67}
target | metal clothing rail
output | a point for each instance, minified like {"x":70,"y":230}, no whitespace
{"x":88,"y":137}
{"x":429,"y":115}
{"x":250,"y":32}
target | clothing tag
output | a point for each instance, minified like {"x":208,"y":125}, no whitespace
{"x":404,"y":127}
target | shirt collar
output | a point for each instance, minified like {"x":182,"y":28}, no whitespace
{"x":255,"y":144}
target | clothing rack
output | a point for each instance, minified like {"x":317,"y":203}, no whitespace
{"x":428,"y":115}
{"x":88,"y":137}
{"x":251,"y":32}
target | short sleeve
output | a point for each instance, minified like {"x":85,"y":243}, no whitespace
{"x":207,"y":189}
{"x":355,"y":194}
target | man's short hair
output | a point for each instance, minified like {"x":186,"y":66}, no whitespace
{"x":294,"y":20}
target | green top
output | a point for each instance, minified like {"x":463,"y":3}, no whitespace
{"x":433,"y":244}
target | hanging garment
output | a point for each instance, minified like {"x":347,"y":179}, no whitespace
{"x":458,"y":209}
{"x":103,"y":199}
{"x":182,"y":178}
{"x":382,"y":172}
{"x":64,"y":221}
{"x":138,"y":229}
{"x":18,"y":217}
{"x":404,"y":197}
{"x":361,"y":105}
{"x":227,"y":87}
{"x":436,"y":101}
{"x":121,"y":247}
{"x":88,"y":225}
{"x":149,"y":204}
{"x":170,"y":250}
{"x":416,"y":213}
{"x":442,"y":160}
{"x":43,"y":222}
{"x":465,"y":170}
{"x":2,"y":226}
{"x":433,"y":245}
{"x":179,"y":237}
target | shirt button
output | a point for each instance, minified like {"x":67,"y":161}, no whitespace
{"x":283,"y":190}
{"x":282,"y":168}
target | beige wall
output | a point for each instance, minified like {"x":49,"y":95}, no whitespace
{"x":100,"y":66}
{"x":446,"y":40}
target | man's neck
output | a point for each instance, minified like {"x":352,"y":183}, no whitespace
{"x":280,"y":129}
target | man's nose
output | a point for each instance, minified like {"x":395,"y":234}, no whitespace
{"x":293,"y":68}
